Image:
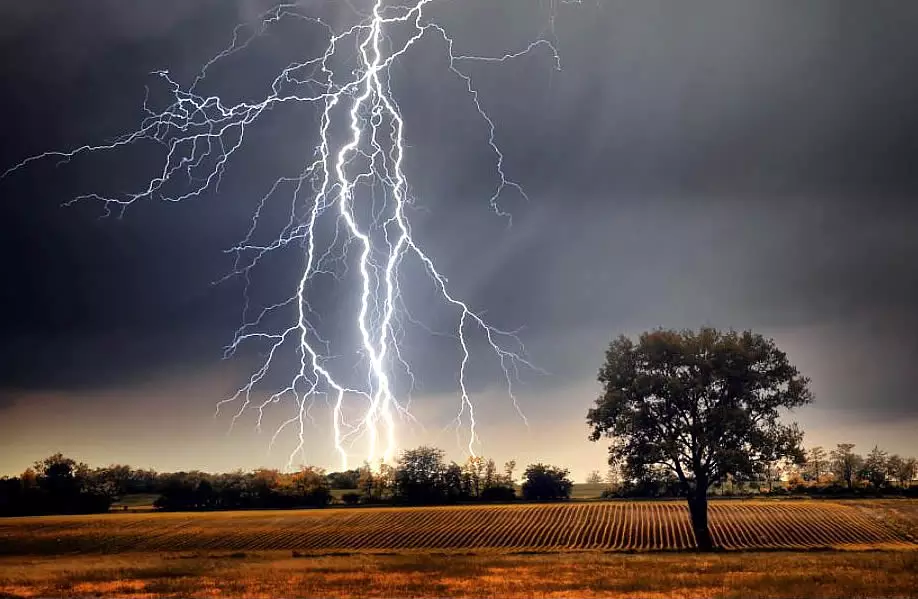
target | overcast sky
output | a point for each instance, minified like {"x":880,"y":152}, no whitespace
{"x":737,"y":164}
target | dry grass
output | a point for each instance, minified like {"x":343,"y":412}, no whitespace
{"x":900,"y":515}
{"x":585,"y":574}
{"x":588,"y":490}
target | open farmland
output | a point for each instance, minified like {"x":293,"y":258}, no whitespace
{"x":610,"y":526}
{"x":268,"y":575}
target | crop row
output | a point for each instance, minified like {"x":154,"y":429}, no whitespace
{"x":612,"y":526}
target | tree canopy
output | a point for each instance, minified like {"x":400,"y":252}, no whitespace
{"x":700,"y":405}
{"x":543,"y":481}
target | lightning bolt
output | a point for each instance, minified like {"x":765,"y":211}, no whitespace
{"x":359,"y":157}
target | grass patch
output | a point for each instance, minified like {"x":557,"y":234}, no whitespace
{"x":899,"y":514}
{"x":560,"y":575}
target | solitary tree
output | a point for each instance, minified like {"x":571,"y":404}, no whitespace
{"x":845,"y":463}
{"x":700,"y":405}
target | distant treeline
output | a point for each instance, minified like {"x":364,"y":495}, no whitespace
{"x":61,"y":485}
{"x":840,"y":472}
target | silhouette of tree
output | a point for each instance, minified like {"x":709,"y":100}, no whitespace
{"x":541,"y":481}
{"x":474,"y":470}
{"x":420,"y":476}
{"x":491,"y":478}
{"x":453,"y":482}
{"x":700,"y":405}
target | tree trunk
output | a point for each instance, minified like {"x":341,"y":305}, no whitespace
{"x":698,"y":509}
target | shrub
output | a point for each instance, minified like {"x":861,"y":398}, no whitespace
{"x":546,"y":482}
{"x":351,"y":498}
{"x":609,"y":494}
{"x":498,"y":493}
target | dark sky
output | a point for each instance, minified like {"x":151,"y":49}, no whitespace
{"x":739,"y":164}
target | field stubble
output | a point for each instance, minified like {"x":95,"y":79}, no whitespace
{"x":561,"y":575}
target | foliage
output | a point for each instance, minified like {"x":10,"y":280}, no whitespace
{"x":903,"y":470}
{"x":876,"y":469}
{"x":594,"y":478}
{"x":420,"y":476}
{"x":498,"y":493}
{"x":307,"y":487}
{"x":59,"y":484}
{"x":509,"y":468}
{"x":609,"y":494}
{"x":541,"y":481}
{"x":349,"y":479}
{"x":846,"y":464}
{"x":701,"y":405}
{"x":55,"y":485}
{"x":423,"y":477}
{"x":816,"y":464}
{"x":351,"y":498}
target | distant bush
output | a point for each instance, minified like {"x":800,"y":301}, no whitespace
{"x":833,"y":489}
{"x":609,"y":494}
{"x":351,"y":498}
{"x":261,"y":489}
{"x":498,"y":493}
{"x":55,"y":485}
{"x":649,"y":489}
{"x":542,"y":481}
{"x":349,"y":479}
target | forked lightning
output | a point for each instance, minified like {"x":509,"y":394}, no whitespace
{"x":354,"y":185}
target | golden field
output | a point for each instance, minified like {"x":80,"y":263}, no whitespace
{"x":603,"y":526}
{"x":609,"y":549}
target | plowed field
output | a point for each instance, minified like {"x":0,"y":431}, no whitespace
{"x":613,"y":526}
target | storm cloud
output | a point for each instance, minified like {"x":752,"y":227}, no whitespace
{"x":741,"y":164}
